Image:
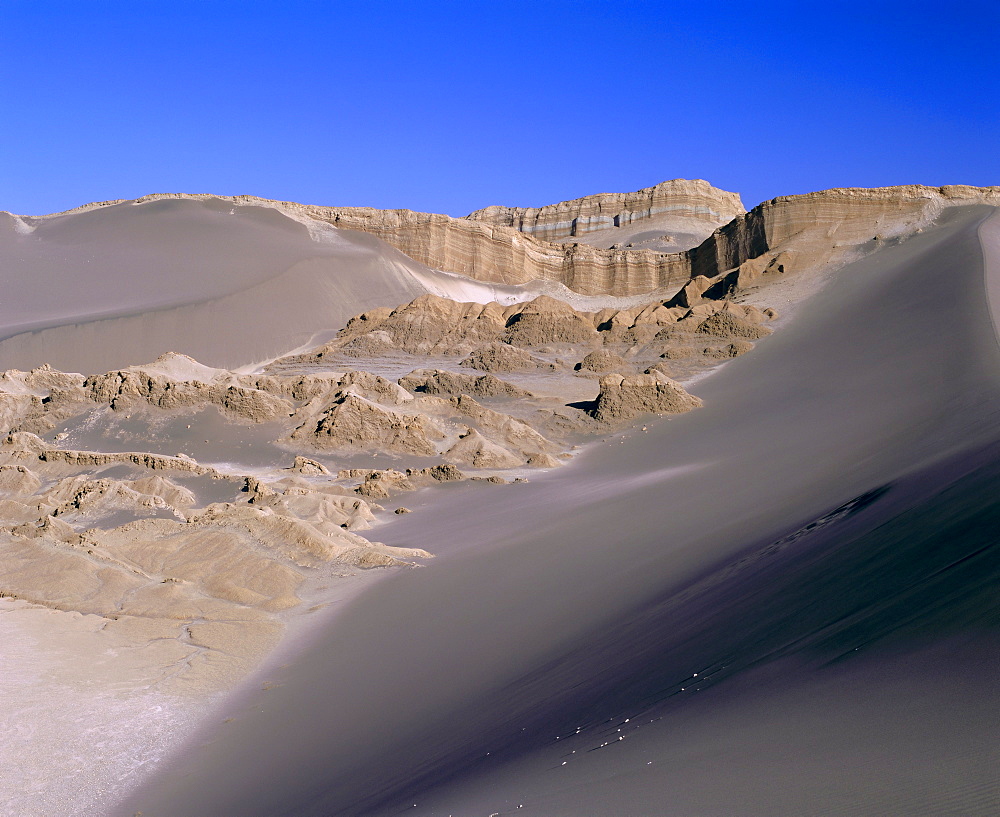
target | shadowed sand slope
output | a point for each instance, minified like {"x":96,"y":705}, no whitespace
{"x":788,"y":589}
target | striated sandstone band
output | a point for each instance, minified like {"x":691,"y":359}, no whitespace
{"x":783,"y":234}
{"x":683,"y":199}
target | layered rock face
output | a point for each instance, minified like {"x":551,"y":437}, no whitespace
{"x":503,"y":255}
{"x":793,"y":233}
{"x":781,"y":235}
{"x":683,"y":200}
{"x":812,"y":230}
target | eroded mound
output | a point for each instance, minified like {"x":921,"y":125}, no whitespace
{"x":436,"y":381}
{"x":624,"y":397}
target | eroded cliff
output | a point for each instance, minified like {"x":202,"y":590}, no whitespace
{"x":681,"y":206}
{"x":781,"y":235}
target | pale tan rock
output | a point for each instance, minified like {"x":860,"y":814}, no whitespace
{"x":298,"y":387}
{"x":177,"y":381}
{"x":304,"y":465}
{"x":383,"y":484}
{"x":543,"y":460}
{"x":725,"y":324}
{"x":545,"y":321}
{"x":431,"y":325}
{"x":155,"y":462}
{"x":500,"y":357}
{"x":354,"y":422}
{"x":440,"y":473}
{"x":80,"y":496}
{"x":658,"y":315}
{"x":326,"y":508}
{"x":678,"y":353}
{"x":514,"y":433}
{"x":428,"y":325}
{"x":176,"y":496}
{"x":602,"y":361}
{"x":473,"y":449}
{"x":47,"y":527}
{"x":691,"y":294}
{"x":504,"y":255}
{"x":41,"y":381}
{"x":734,"y":349}
{"x":622,"y":398}
{"x":18,"y":480}
{"x":436,"y":381}
{"x":38,"y":400}
{"x":482,"y":249}
{"x":374,"y":387}
{"x":23,"y":445}
{"x":251,"y":404}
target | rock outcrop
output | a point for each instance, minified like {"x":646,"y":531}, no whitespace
{"x":789,"y":234}
{"x":178,"y":381}
{"x":432,"y":325}
{"x":475,"y":450}
{"x":624,"y":397}
{"x":436,"y":381}
{"x":546,"y":321}
{"x":354,"y":422}
{"x":500,"y":357}
{"x":602,"y":361}
{"x":726,"y":324}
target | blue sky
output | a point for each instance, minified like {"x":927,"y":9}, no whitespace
{"x":451,"y":106}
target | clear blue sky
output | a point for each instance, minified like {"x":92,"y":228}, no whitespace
{"x":451,"y":106}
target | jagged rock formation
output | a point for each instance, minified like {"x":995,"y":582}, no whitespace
{"x":36,"y":401}
{"x":500,"y":357}
{"x":436,"y":381}
{"x":499,"y":338}
{"x":546,"y":321}
{"x":80,"y":535}
{"x":304,"y":465}
{"x":431,"y":325}
{"x":381,"y":484}
{"x":203,"y":546}
{"x":504,"y":255}
{"x":512,"y":432}
{"x":602,"y":361}
{"x":473,"y":449}
{"x":734,"y":349}
{"x":174,"y":381}
{"x":156,"y":462}
{"x":352,"y":421}
{"x":624,"y":397}
{"x":725,"y":324}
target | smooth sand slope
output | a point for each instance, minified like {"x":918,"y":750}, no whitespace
{"x":782,"y":600}
{"x":116,"y":285}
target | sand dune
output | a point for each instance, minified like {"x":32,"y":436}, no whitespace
{"x":789,"y":591}
{"x":227,"y":284}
